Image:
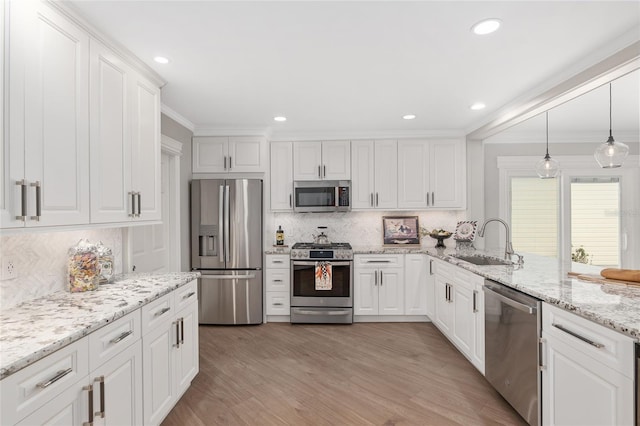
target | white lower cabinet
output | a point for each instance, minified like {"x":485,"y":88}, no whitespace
{"x":587,"y":374}
{"x":107,"y":377}
{"x":378,"y":285}
{"x":170,"y":350}
{"x":277,"y":285}
{"x":416,"y":276}
{"x":459,"y":310}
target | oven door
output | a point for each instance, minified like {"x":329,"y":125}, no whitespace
{"x":303,"y":285}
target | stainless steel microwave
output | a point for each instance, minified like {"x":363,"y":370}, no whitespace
{"x":322,"y":196}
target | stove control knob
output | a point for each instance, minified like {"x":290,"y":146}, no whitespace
{"x":294,"y":254}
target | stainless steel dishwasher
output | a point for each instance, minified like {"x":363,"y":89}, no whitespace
{"x":512,"y":331}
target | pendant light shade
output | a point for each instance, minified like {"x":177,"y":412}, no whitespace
{"x":611,"y":154}
{"x":547,"y":168}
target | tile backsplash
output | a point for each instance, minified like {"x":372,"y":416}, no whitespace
{"x":41,"y":261}
{"x":356,"y":228}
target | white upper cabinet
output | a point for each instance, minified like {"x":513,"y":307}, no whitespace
{"x":328,"y":160}
{"x":229,"y":154}
{"x":46,"y":180}
{"x":281,"y":176}
{"x":431,"y":174}
{"x":374,"y":171}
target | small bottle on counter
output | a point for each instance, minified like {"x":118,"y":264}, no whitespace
{"x":279,"y":236}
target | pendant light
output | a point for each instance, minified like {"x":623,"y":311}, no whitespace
{"x":611,"y":154}
{"x":547,"y":168}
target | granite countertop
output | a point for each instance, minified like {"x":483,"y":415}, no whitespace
{"x":34,"y":329}
{"x":612,"y":305}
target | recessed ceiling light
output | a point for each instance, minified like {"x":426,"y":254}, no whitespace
{"x":409,"y":116}
{"x":477,"y":106}
{"x":280,"y":118}
{"x":486,"y":26}
{"x":161,"y":60}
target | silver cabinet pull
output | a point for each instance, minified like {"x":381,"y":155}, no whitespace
{"x":229,"y":162}
{"x":324,"y":171}
{"x":100,"y":380}
{"x":277,"y":281}
{"x":541,"y":353}
{"x":475,"y":307}
{"x":23,"y":200}
{"x":576,"y":335}
{"x":139,"y":194}
{"x":319,"y":173}
{"x":225,"y":162}
{"x":162,"y":311}
{"x":375,"y":275}
{"x":433,"y":199}
{"x":430,"y":266}
{"x":121,"y":337}
{"x":377,"y":199}
{"x":177,"y":324}
{"x":59,"y":375}
{"x":378,"y":261}
{"x":133,"y":204}
{"x":372,"y":199}
{"x":290,"y":201}
{"x":182,"y":331}
{"x":427,"y":199}
{"x":186,"y":296}
{"x":277,"y":304}
{"x":90,"y":394}
{"x":381,"y":275}
{"x":38,"y":187}
{"x":277,"y":261}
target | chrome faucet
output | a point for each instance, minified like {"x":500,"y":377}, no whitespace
{"x":508,"y":249}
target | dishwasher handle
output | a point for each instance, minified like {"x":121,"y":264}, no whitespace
{"x":513,"y":303}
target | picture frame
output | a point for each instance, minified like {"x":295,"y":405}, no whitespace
{"x":466,"y":230}
{"x":400,"y":230}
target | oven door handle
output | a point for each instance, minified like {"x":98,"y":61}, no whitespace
{"x":305,"y":312}
{"x":312,"y":263}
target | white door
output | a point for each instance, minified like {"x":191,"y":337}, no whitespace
{"x":281,"y":176}
{"x":307,"y":160}
{"x":478,"y":321}
{"x":386,"y":174}
{"x":391,"y":291}
{"x":246,"y":154}
{"x":158,"y":374}
{"x":187,"y":354}
{"x":444,"y":309}
{"x":365,"y":292}
{"x":447,"y":173}
{"x":413,"y":174}
{"x":463,"y":325}
{"x":362,"y":173}
{"x":150,"y":244}
{"x":336,"y":160}
{"x":415,"y":289}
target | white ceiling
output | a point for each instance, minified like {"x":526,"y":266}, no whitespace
{"x":355,"y":67}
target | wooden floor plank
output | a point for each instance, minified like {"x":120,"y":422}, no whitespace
{"x":360,"y":374}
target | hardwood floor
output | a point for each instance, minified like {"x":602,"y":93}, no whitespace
{"x":360,"y":374}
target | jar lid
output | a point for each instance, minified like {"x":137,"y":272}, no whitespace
{"x":103,"y":250}
{"x":83,"y":246}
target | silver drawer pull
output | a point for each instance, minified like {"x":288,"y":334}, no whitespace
{"x":277,"y":281}
{"x":188,"y":295}
{"x":378,"y":261}
{"x":59,"y":375}
{"x":576,"y":335}
{"x":121,"y":337}
{"x":277,"y":261}
{"x":277,"y":304}
{"x":162,"y":312}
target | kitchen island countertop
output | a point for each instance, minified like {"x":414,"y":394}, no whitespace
{"x":34,"y":329}
{"x":612,"y":305}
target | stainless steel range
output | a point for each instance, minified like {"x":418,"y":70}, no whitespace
{"x":322,"y":283}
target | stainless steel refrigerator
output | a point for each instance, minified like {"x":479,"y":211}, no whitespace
{"x":226,"y":247}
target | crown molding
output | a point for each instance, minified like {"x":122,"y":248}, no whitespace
{"x":561,"y":137}
{"x":177,"y":117}
{"x":230,"y":131}
{"x":392,"y":134}
{"x":171,"y":146}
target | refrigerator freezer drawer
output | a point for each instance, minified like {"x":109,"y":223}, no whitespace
{"x":230,"y":298}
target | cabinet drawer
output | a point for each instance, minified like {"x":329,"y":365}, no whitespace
{"x":278,"y":303}
{"x":157,"y":312}
{"x":111,"y":339}
{"x":607,"y":346}
{"x":379,"y":260}
{"x":277,"y":261}
{"x":30,"y":388}
{"x":278,"y":280}
{"x":186,"y":294}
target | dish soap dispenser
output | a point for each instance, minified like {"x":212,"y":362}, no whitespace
{"x":279,"y":236}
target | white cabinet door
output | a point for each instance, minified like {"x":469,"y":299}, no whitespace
{"x":110,"y":136}
{"x":281,"y":176}
{"x":444,"y":309}
{"x":578,"y":390}
{"x":146,"y":147}
{"x":391,"y":291}
{"x":363,"y":174}
{"x":463,"y":329}
{"x":365,"y":291}
{"x":430,"y":285}
{"x":56,"y":116}
{"x":246,"y":154}
{"x":477,"y":355}
{"x":186,"y":360}
{"x":210,"y":154}
{"x":447,"y":178}
{"x":336,"y":160}
{"x":386,"y":174}
{"x":69,"y":407}
{"x":413,"y":174}
{"x":307,"y":160}
{"x":122,"y":387}
{"x":158,"y":371}
{"x":416,"y":282}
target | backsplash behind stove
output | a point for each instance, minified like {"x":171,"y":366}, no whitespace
{"x":356,"y":228}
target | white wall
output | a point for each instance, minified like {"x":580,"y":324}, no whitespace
{"x":41,"y":261}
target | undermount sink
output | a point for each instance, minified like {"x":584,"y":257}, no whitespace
{"x":483,"y":260}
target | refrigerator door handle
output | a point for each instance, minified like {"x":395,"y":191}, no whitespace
{"x":221,"y":223}
{"x":227,"y":228}
{"x":228,"y":277}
